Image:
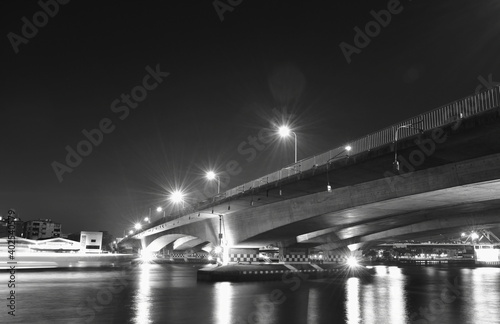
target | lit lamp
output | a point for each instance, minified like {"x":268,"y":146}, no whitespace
{"x":138,"y":226}
{"x":177,"y":197}
{"x":211,"y":176}
{"x":285,"y":131}
{"x":159,"y":210}
{"x":348,"y":148}
{"x":395,"y":164}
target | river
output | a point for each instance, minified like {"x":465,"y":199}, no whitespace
{"x":154,"y":293}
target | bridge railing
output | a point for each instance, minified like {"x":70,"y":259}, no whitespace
{"x":438,"y":117}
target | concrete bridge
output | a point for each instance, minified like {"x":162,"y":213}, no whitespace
{"x":434,"y":174}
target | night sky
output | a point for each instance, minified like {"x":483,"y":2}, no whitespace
{"x":222,"y":83}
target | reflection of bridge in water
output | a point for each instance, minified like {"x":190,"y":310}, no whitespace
{"x":446,"y":180}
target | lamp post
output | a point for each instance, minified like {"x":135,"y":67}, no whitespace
{"x":211,"y":176}
{"x":409,"y":126}
{"x":346,"y":149}
{"x":285,"y":131}
{"x":159,"y":210}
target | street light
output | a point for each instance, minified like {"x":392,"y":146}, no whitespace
{"x":159,"y":210}
{"x":285,"y":131}
{"x":346,"y":149}
{"x":137,"y":226}
{"x":146,"y":219}
{"x":177,"y":196}
{"x":211,"y":176}
{"x":409,"y":126}
{"x":131,"y":232}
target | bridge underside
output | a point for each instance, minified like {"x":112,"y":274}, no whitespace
{"x":442,"y":200}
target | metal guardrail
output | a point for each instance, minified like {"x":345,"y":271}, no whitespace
{"x":438,"y":117}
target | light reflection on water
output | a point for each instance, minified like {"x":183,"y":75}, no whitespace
{"x":484,"y":299}
{"x":313,"y":305}
{"x":170,"y":294}
{"x":353,"y":301}
{"x":223,"y":302}
{"x":381,"y":301}
{"x":142,"y":300}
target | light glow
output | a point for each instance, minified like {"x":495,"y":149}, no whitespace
{"x":138,"y":226}
{"x":488,"y":255}
{"x":210,"y":175}
{"x":177,"y":196}
{"x":218,"y":249}
{"x":159,"y":209}
{"x":284,"y":131}
{"x":147,"y":257}
{"x":348,"y":148}
{"x":352,"y":262}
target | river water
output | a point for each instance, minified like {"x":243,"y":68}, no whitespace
{"x":154,"y":293}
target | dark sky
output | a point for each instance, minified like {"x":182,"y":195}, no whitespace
{"x":266,"y":62}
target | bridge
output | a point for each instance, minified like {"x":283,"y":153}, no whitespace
{"x":434,"y":174}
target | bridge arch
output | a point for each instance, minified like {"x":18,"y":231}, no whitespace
{"x":164,"y":240}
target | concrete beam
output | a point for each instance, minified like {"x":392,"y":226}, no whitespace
{"x":386,"y":223}
{"x":468,"y":181}
{"x":453,"y":184}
